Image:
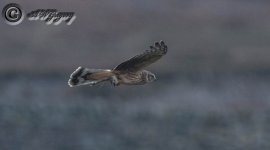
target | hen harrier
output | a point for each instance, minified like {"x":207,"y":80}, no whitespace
{"x":129,"y":72}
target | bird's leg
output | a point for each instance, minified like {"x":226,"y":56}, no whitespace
{"x":93,"y":83}
{"x":114,"y":81}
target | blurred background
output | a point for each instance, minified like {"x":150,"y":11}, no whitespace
{"x":212,"y":92}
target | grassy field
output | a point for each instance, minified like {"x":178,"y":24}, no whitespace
{"x":225,"y":113}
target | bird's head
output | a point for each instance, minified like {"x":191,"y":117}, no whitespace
{"x":151,"y":77}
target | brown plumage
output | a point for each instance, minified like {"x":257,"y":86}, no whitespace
{"x":129,"y":72}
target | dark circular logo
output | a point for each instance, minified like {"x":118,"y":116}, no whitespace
{"x":13,"y":14}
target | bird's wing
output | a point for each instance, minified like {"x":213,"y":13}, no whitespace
{"x":142,"y":60}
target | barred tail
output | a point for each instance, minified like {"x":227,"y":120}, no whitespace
{"x":85,"y":76}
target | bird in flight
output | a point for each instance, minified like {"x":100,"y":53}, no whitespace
{"x":130,"y":72}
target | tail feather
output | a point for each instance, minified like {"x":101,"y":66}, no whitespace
{"x":82,"y":76}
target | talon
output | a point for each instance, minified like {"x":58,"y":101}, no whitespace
{"x":115,"y":84}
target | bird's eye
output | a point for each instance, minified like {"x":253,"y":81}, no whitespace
{"x":151,"y":77}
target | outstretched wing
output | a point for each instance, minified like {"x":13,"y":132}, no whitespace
{"x":148,"y":57}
